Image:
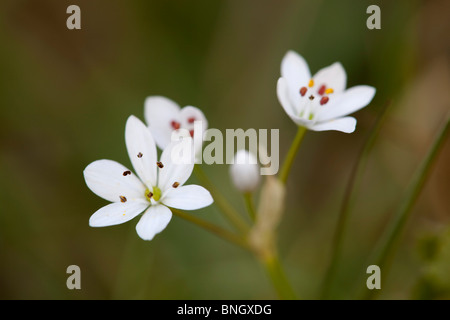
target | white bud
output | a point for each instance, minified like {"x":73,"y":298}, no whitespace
{"x":245,"y":171}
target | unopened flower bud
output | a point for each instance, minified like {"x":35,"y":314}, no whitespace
{"x":245,"y":171}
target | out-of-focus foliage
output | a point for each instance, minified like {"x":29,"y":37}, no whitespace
{"x":65,"y":96}
{"x":434,"y":282}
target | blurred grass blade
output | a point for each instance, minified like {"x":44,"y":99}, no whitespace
{"x":388,"y":242}
{"x":355,"y":175}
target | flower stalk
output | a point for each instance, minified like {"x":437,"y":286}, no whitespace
{"x":290,"y":157}
{"x":229,"y":212}
{"x":250,"y":206}
{"x":218,"y":231}
{"x":278,"y":277}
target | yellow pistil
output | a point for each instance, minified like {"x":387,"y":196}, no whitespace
{"x":155,"y":194}
{"x":311,"y":83}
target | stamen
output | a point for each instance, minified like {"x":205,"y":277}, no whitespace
{"x":176,"y":125}
{"x":322,"y":89}
{"x":149,"y":195}
{"x":175,"y":184}
{"x":303,"y":91}
{"x":159,"y":164}
{"x":191,"y":132}
{"x":324,"y":100}
{"x":125,"y":173}
{"x":191,"y":120}
{"x":311,"y":83}
{"x":123,"y":199}
{"x":311,"y":97}
{"x":139,"y":155}
{"x":329,"y":91}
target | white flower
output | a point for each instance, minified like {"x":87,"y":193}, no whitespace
{"x":163,"y":116}
{"x":244,"y":171}
{"x":320,"y":102}
{"x":157,"y":185}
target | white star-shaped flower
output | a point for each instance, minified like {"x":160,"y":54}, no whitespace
{"x":320,"y":102}
{"x":157,"y":185}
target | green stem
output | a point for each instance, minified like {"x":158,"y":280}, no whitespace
{"x":390,"y":239}
{"x":229,"y":212}
{"x":290,"y":157}
{"x":250,"y":206}
{"x":218,"y":231}
{"x":278,"y":277}
{"x":344,"y":212}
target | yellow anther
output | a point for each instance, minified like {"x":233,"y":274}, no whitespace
{"x":311,"y":83}
{"x":329,"y":90}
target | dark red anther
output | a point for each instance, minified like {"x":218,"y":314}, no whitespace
{"x":125,"y":173}
{"x":324,"y":100}
{"x":191,"y":120}
{"x":303,"y":91}
{"x":176,"y":125}
{"x":322,"y":90}
{"x":191,"y":132}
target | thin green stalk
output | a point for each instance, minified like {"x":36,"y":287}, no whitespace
{"x":344,"y":212}
{"x":229,"y":212}
{"x":250,"y":206}
{"x":278,"y":277}
{"x":218,"y":231}
{"x":389,"y":241}
{"x":290,"y":157}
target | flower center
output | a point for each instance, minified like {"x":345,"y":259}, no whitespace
{"x":175,"y":125}
{"x":323,"y":91}
{"x":155,"y":194}
{"x":308,"y":108}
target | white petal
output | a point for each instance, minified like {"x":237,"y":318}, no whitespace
{"x":351,"y":100}
{"x":295,"y":70}
{"x":346,"y":125}
{"x":154,"y":220}
{"x":111,"y":180}
{"x":159,"y":112}
{"x":189,"y":197}
{"x":285,"y":101}
{"x":117,"y":213}
{"x":283,"y":97}
{"x":174,"y":171}
{"x":193,"y":118}
{"x":141,"y":150}
{"x":189,"y":114}
{"x":333,"y":76}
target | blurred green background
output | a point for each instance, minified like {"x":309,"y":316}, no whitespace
{"x":65,"y":96}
